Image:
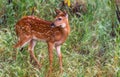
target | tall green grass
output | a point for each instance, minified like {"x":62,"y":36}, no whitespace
{"x":91,"y":50}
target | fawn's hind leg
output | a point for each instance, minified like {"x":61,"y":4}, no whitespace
{"x":23,"y":41}
{"x":31,"y":50}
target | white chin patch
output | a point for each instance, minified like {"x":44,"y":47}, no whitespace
{"x":63,"y":25}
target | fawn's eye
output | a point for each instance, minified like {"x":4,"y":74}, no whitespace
{"x":59,"y":18}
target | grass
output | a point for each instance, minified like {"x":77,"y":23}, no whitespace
{"x":92,"y":49}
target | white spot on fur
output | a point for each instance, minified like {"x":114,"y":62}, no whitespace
{"x":60,"y":17}
{"x":66,"y":15}
{"x":25,"y":43}
{"x":33,"y":45}
{"x":58,"y":50}
{"x":63,"y":25}
{"x":35,"y":38}
{"x":58,"y":42}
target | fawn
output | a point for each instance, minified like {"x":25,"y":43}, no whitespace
{"x":30,"y":29}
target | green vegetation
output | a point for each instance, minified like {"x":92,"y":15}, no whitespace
{"x":92,"y":49}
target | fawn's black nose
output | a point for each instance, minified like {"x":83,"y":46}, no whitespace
{"x":52,"y":25}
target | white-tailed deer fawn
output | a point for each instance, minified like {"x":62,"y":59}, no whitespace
{"x":30,"y":29}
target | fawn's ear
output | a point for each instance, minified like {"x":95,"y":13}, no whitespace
{"x":57,"y":11}
{"x":65,"y":13}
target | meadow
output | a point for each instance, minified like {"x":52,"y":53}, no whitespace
{"x":91,"y":50}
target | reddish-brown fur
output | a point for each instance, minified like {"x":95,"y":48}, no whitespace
{"x":30,"y":29}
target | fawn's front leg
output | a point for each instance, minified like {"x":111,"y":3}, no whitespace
{"x":60,"y":56}
{"x":50,"y":50}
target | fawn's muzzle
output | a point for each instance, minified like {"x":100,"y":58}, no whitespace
{"x":52,"y":25}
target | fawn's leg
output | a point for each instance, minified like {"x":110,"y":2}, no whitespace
{"x":31,"y":50}
{"x":50,"y":50}
{"x":60,"y":56}
{"x":23,"y":41}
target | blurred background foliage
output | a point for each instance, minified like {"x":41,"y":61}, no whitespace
{"x":92,"y":49}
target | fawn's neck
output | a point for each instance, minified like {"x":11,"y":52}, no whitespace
{"x":65,"y":32}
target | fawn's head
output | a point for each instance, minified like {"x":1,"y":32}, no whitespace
{"x":61,"y":19}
